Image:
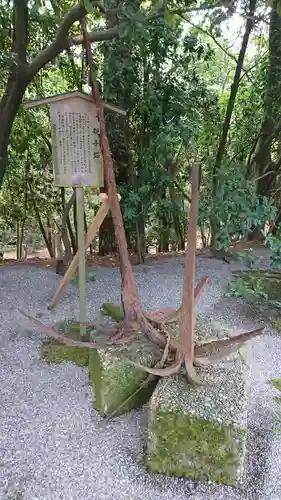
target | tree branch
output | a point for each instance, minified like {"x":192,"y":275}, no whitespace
{"x":96,"y":36}
{"x":62,"y":41}
{"x":76,"y":13}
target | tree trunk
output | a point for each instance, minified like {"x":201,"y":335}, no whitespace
{"x":72,"y":236}
{"x":178,"y":226}
{"x":226,"y":124}
{"x":107,"y":244}
{"x":9,"y":106}
{"x":179,"y":233}
{"x":140,"y":237}
{"x":66,"y":209}
{"x":18,"y":240}
{"x":115,"y":71}
{"x":86,"y":230}
{"x":44,"y":233}
{"x":129,"y":293}
{"x":21,"y":239}
{"x":163,"y":246}
{"x":59,"y":254}
{"x":164,"y":229}
{"x":262,"y":164}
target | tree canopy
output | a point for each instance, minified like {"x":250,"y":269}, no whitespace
{"x":200,"y":83}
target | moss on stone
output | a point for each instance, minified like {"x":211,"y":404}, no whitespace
{"x":200,"y":432}
{"x":58,"y":353}
{"x":54,"y":352}
{"x":212,"y":451}
{"x":114,"y":379}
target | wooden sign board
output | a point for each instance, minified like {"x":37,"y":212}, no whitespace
{"x":75,"y":138}
{"x":77,"y":157}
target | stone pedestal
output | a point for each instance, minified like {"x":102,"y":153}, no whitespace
{"x":117,"y":385}
{"x":200,"y":431}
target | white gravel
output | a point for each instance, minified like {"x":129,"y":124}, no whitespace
{"x":54,"y":446}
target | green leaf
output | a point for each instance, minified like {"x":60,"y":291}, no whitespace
{"x":88,"y":6}
{"x":170,"y":19}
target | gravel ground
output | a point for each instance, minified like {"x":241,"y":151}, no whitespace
{"x":54,"y":446}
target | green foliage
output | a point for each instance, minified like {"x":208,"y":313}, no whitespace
{"x":247,"y":257}
{"x":6,"y":237}
{"x":256,"y":286}
{"x":88,"y":6}
{"x":251,"y":289}
{"x":153,"y":71}
{"x":173,"y":79}
{"x":237,"y":206}
{"x":274,"y":243}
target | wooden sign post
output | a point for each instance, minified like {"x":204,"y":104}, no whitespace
{"x":81,"y":259}
{"x":78,"y":163}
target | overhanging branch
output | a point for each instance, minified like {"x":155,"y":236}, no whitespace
{"x":62,"y":41}
{"x":76,"y":13}
{"x":96,"y":36}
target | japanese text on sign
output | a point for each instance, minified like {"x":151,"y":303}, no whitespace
{"x":76,"y":145}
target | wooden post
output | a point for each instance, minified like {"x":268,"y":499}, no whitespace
{"x":93,"y":229}
{"x":187,"y":314}
{"x":81,"y":259}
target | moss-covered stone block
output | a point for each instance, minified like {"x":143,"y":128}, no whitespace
{"x":119,"y":386}
{"x":54,"y":352}
{"x":200,"y":431}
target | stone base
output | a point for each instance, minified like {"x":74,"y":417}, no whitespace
{"x":114,"y":379}
{"x":55,"y":352}
{"x":200,"y":431}
{"x":58,"y":353}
